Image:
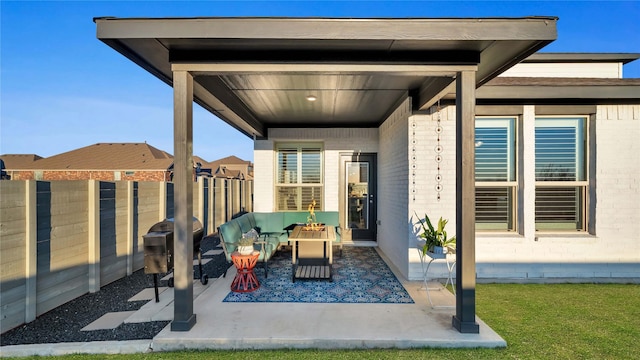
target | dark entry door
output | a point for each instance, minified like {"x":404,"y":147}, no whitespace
{"x":358,"y":182}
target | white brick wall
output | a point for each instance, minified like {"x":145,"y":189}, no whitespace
{"x":613,"y":251}
{"x":393,"y":186}
{"x":617,"y":168}
{"x":426,"y":168}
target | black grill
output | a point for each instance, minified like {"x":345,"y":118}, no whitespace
{"x":159,"y":250}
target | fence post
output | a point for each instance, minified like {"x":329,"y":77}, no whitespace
{"x":211,"y":208}
{"x":242,"y":188}
{"x":219,"y":202}
{"x":31,"y":253}
{"x":200,"y":210}
{"x":162,"y":201}
{"x":228,"y":199}
{"x":130,"y":250}
{"x":94,"y":235}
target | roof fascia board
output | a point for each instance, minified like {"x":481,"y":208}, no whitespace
{"x":321,"y":68}
{"x":581,"y":57}
{"x":512,"y":110}
{"x":327,"y":56}
{"x":605,"y":92}
{"x":531,"y":28}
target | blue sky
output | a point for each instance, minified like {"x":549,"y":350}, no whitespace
{"x":62,"y":89}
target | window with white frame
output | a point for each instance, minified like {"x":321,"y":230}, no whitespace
{"x":299,"y":178}
{"x":561,"y":174}
{"x":495,"y":145}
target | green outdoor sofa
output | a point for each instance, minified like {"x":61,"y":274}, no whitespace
{"x":272,"y":228}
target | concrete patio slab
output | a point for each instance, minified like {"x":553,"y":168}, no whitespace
{"x":222,"y":325}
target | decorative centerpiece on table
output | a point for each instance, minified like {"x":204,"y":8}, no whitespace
{"x":312,"y":224}
{"x":245,"y":244}
{"x":436,"y":240}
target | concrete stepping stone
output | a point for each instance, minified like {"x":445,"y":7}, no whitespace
{"x":108,"y":321}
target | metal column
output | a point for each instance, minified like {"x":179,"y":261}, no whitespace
{"x":183,"y":316}
{"x":465,"y":318}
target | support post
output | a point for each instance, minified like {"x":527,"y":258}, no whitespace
{"x":465,"y":318}
{"x":183,"y":317}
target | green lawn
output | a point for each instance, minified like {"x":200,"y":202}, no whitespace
{"x":554,"y":321}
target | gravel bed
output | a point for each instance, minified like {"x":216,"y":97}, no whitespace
{"x":63,"y":323}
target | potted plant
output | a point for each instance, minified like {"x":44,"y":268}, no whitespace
{"x":436,"y":239}
{"x":245,"y":244}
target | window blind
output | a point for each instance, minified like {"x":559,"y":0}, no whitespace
{"x":495,"y":173}
{"x":299,"y":177}
{"x":560,"y":168}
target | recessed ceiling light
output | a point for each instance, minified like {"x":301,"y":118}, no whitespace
{"x":311,"y":98}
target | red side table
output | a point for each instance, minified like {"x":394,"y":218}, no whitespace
{"x":245,"y":280}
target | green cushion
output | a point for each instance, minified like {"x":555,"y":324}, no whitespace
{"x":295,"y":217}
{"x":269,"y":222}
{"x":230,"y":233}
{"x":245,"y":224}
{"x":330,"y":218}
{"x":252,"y":220}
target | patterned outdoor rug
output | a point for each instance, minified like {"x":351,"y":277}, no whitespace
{"x":359,"y":276}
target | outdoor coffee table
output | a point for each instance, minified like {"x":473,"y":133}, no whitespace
{"x":245,"y":280}
{"x":314,"y":265}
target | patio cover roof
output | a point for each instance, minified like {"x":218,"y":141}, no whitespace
{"x":255,"y":73}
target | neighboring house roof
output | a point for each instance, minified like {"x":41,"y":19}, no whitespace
{"x":107,"y":156}
{"x":229,"y":160}
{"x":223,"y":172}
{"x":203,"y":162}
{"x":19,"y":161}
